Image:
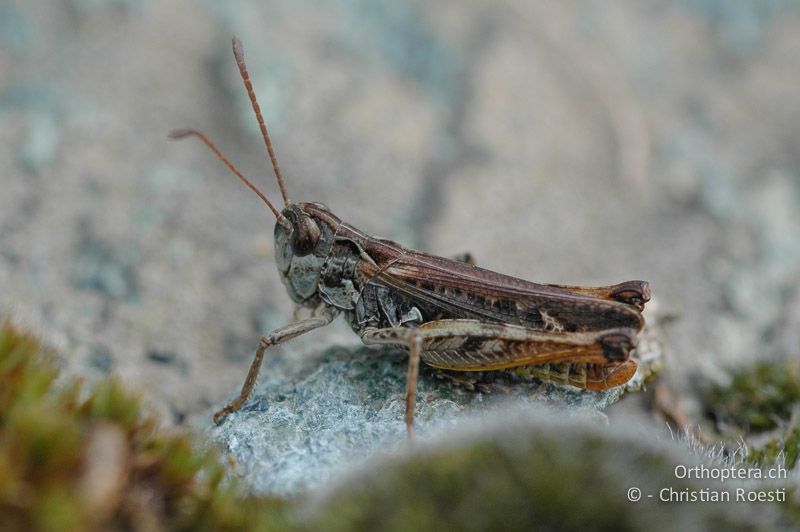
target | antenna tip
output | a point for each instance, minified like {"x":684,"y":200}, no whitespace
{"x":238,"y":51}
{"x":177,"y":134}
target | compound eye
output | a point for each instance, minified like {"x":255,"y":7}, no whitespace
{"x":305,"y":236}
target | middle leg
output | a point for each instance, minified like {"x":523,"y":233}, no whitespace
{"x":412,"y":339}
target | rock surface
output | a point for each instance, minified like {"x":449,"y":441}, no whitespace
{"x":316,"y":418}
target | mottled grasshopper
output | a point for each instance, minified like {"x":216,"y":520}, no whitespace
{"x":448,"y":312}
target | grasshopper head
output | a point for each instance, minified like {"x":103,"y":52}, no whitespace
{"x":301,"y":246}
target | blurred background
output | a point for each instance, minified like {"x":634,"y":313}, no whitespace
{"x":578,"y":142}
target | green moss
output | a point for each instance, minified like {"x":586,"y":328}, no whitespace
{"x":758,"y":397}
{"x":760,"y":400}
{"x":781,"y":448}
{"x":542,"y":475}
{"x":76,"y":459}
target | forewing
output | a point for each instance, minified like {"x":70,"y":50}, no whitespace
{"x":458,"y":290}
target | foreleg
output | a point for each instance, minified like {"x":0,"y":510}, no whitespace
{"x":278,"y":336}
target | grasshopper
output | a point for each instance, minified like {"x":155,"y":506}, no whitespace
{"x":449,"y":313}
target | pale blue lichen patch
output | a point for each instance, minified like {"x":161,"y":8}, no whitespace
{"x":105,"y":268}
{"x":43,"y":121}
{"x":742,"y":23}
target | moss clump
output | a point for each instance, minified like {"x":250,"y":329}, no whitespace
{"x":75,"y":459}
{"x":537,"y":473}
{"x":783,"y":448}
{"x":758,"y":398}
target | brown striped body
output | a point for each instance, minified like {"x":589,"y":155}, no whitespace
{"x":470,"y":318}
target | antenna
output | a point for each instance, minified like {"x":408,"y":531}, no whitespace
{"x":238,"y":53}
{"x":183,"y":133}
